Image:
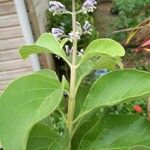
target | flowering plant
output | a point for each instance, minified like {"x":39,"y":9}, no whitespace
{"x":28,"y":103}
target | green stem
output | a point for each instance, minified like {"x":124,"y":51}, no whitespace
{"x":71,"y":102}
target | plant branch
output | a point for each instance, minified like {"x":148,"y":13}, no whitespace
{"x":79,"y":11}
{"x":129,"y":29}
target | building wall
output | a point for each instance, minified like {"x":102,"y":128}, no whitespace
{"x":37,"y":15}
{"x":11,"y":38}
{"x":40,"y":8}
{"x":36,"y":10}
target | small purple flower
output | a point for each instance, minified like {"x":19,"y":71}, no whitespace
{"x":56,"y":7}
{"x":89,"y":6}
{"x":87,"y":28}
{"x":58,"y":33}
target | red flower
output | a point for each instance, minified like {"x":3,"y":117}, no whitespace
{"x":137,"y":108}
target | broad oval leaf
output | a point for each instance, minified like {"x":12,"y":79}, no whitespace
{"x":44,"y":137}
{"x":117,"y":132}
{"x":46,"y":43}
{"x":116,"y":87}
{"x":26,"y":101}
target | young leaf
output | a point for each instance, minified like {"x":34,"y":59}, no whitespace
{"x":116,"y":87}
{"x":108,"y":63}
{"x":26,"y":101}
{"x":117,"y":132}
{"x":106,"y":46}
{"x":100,"y":54}
{"x":46,"y":43}
{"x":44,"y":137}
{"x":103,"y":47}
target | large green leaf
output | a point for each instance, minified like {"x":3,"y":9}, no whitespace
{"x":26,"y":101}
{"x":46,"y":43}
{"x":117,"y":132}
{"x":116,"y":87}
{"x":44,"y":137}
{"x":100,"y":54}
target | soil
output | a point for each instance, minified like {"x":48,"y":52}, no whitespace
{"x":104,"y":19}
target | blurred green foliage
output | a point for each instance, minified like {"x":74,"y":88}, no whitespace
{"x":131,"y":13}
{"x":127,"y":108}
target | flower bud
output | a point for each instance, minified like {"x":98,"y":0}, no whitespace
{"x":89,"y":6}
{"x":56,"y":7}
{"x":68,"y":49}
{"x":79,"y":28}
{"x":73,"y":35}
{"x":87,"y":28}
{"x":81,"y":53}
{"x":58,"y":33}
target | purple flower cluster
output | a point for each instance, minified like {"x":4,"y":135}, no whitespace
{"x":89,"y":6}
{"x":56,"y":7}
{"x":86,"y":29}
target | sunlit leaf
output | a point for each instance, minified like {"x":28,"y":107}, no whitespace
{"x":100,"y":54}
{"x":116,"y":132}
{"x":46,"y":43}
{"x":115,"y":87}
{"x":26,"y":101}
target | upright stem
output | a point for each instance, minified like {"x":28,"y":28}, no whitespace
{"x":71,"y":103}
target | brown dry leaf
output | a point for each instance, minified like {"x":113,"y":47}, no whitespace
{"x":145,"y":46}
{"x":139,"y":35}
